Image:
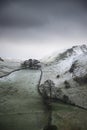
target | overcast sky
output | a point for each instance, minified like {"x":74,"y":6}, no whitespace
{"x":36,"y":28}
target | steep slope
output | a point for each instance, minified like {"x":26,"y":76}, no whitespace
{"x":69,"y":69}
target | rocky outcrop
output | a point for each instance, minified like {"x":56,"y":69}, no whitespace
{"x":1,"y":59}
{"x":81,"y":80}
{"x":73,"y":66}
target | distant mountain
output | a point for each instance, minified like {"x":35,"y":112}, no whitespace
{"x":74,"y":51}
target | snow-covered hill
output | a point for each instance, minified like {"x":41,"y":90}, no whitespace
{"x":63,"y":54}
{"x":69,"y":69}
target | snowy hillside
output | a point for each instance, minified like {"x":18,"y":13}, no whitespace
{"x":63,"y":54}
{"x":69,"y":67}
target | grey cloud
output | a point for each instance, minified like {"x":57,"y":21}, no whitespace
{"x":35,"y":13}
{"x":24,"y":13}
{"x":43,"y":18}
{"x":21,"y":16}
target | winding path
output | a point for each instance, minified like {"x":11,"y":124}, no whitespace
{"x":38,"y":85}
{"x":11,"y":72}
{"x":46,"y":102}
